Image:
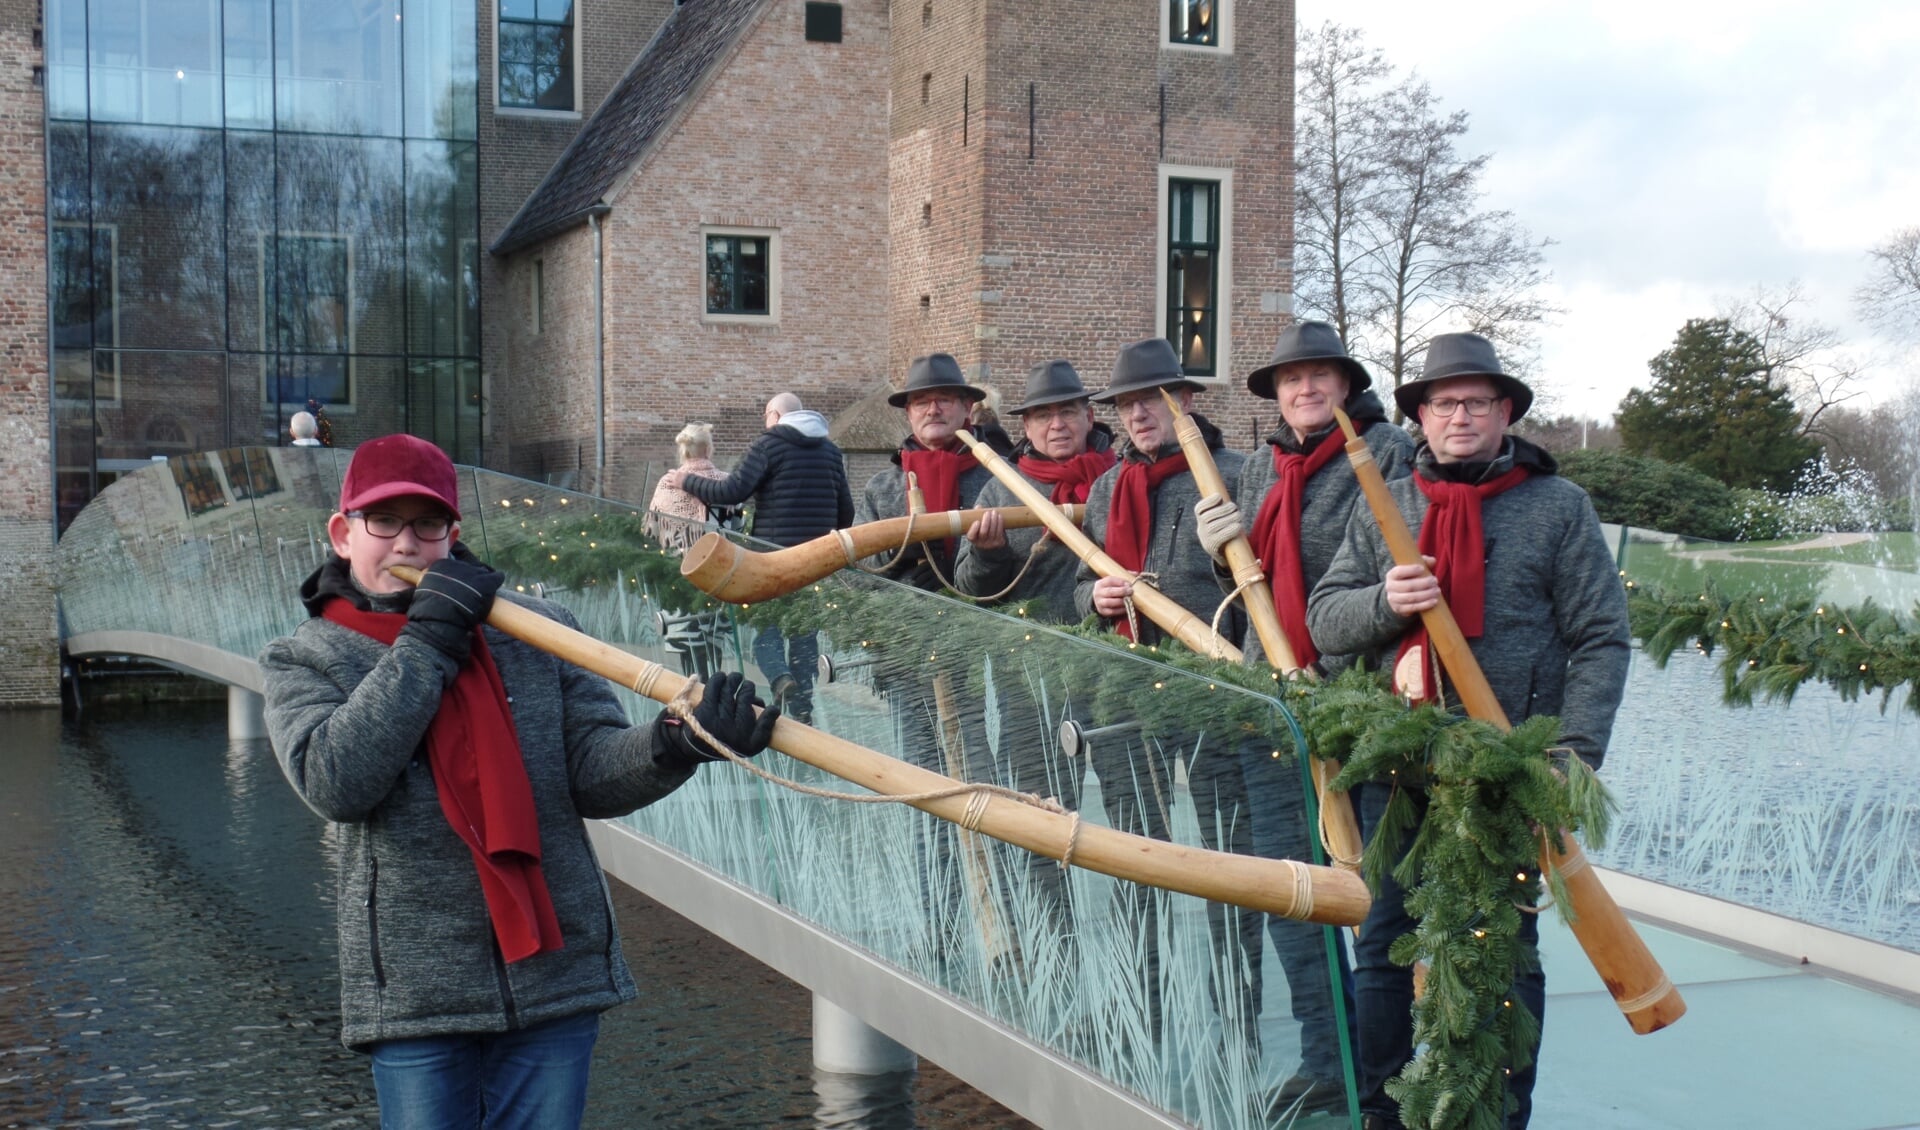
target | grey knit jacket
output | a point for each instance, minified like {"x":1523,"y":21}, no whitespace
{"x":348,"y":718}
{"x":1049,"y":581}
{"x":885,"y":496}
{"x":1556,"y":639}
{"x":1327,"y":501}
{"x":1174,"y":551}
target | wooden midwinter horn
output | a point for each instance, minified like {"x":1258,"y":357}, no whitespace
{"x":1162,"y":609}
{"x":1337,"y":822}
{"x":1285,"y":887}
{"x":739,"y":575}
{"x":1631,"y":973}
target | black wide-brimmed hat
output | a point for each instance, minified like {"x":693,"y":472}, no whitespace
{"x":937,"y":370}
{"x":1051,"y":382}
{"x":1462,"y":355}
{"x":1309,"y":341}
{"x":1143,"y":365}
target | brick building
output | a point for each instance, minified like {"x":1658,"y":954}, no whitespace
{"x":547,"y":233}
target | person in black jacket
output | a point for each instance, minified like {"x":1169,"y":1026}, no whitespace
{"x":797,"y":479}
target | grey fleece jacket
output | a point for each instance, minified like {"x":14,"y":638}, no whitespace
{"x":1327,"y":500}
{"x":886,"y":497}
{"x":348,"y":717}
{"x":1049,"y":581}
{"x":1556,"y":639}
{"x":1174,"y":551}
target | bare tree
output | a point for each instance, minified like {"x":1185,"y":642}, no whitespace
{"x":1807,"y":356}
{"x":1890,"y":299}
{"x":1391,"y":242}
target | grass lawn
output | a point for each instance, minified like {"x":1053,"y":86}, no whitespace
{"x":1886,"y":568}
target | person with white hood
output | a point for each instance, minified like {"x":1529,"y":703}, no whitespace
{"x":797,"y":478}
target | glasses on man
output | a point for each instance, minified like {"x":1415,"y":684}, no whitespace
{"x":1475,"y":405}
{"x":427,"y":527}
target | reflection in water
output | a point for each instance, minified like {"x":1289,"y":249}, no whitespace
{"x":167,"y":958}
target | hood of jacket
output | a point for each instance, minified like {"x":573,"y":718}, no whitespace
{"x":809,"y":428}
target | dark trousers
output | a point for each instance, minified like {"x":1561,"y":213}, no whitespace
{"x":1276,"y":798}
{"x":1384,"y":991}
{"x":796,"y":656}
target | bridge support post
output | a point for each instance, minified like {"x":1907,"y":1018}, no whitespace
{"x":847,"y":1045}
{"x":246,"y":714}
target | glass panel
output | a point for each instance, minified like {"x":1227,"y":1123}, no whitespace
{"x":249,"y":50}
{"x":330,"y":191}
{"x":441,"y":66}
{"x":518,"y":9}
{"x":338,"y":66}
{"x":720,"y":290}
{"x":442,"y":249}
{"x":555,"y":11}
{"x":159,"y":190}
{"x":154,"y":61}
{"x":1193,"y":21}
{"x":66,"y":47}
{"x":169,"y":404}
{"x":252,"y":176}
{"x":553,"y":68}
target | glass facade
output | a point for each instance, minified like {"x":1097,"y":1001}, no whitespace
{"x":258,"y":205}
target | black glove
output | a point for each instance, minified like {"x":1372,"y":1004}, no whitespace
{"x":726,"y":712}
{"x":451,"y":601}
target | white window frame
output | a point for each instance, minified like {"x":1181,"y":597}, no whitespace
{"x":1223,"y":300}
{"x":270,"y":348}
{"x":579,"y":38}
{"x":1223,"y":13}
{"x":772,"y":316}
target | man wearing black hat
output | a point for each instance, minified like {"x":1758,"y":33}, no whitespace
{"x":1302,"y":496}
{"x":1140,"y":512}
{"x":1063,"y":452}
{"x":938,"y":402}
{"x":1517,"y":553}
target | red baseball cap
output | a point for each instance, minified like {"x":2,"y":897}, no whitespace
{"x":397,"y":466}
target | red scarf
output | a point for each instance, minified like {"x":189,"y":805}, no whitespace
{"x":1453,"y":536}
{"x":938,"y":474}
{"x":1276,"y":539}
{"x":484,"y":792}
{"x":1071,"y":478}
{"x":1130,"y":518}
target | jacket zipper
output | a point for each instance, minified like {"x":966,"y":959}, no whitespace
{"x":373,"y":919}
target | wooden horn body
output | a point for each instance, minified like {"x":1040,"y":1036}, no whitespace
{"x":1285,"y":887}
{"x":738,"y":575}
{"x":1157,"y":606}
{"x":1640,"y":987}
{"x":1337,"y":820}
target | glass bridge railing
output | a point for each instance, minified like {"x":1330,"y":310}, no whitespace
{"x":1809,"y":809}
{"x":1213,"y":1014}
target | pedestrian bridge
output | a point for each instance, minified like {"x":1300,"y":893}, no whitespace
{"x":1076,"y":999}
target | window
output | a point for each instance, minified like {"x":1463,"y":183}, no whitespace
{"x":86,"y":324}
{"x":308,"y":313}
{"x":536,"y":55}
{"x":742,"y":274}
{"x":1197,"y":23}
{"x":1193,"y":272}
{"x":823,"y":22}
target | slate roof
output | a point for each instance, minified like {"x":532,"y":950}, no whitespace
{"x":696,"y":39}
{"x":869,"y":423}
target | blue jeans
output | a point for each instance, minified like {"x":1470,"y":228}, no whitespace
{"x":797,"y":656}
{"x":532,"y":1078}
{"x":1384,"y":991}
{"x":1276,"y":797}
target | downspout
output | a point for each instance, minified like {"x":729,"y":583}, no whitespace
{"x":599,"y":351}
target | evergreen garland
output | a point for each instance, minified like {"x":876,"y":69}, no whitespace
{"x":1770,"y":649}
{"x":1469,"y":871}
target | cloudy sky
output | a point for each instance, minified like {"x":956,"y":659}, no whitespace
{"x":1679,"y":154}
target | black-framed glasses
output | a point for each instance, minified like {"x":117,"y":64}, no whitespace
{"x":427,"y":527}
{"x":1475,"y":405}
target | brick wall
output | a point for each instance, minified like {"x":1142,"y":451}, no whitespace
{"x":516,"y":151}
{"x":785,"y":136}
{"x":29,"y":651}
{"x":1045,"y":232}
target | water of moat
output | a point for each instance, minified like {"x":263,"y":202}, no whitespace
{"x":167,"y":959}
